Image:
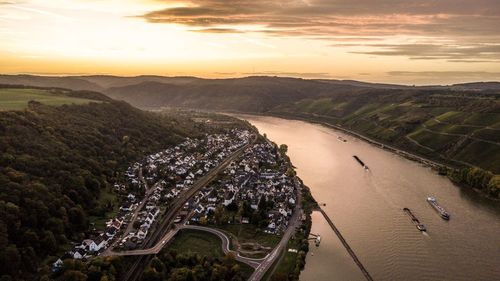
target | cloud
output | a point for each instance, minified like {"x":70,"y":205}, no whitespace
{"x":328,"y":17}
{"x":226,"y":73}
{"x":291,"y":74}
{"x":466,"y":23}
{"x":448,"y":74}
{"x":217,"y":30}
{"x":450,"y":52}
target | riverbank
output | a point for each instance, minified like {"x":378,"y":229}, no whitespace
{"x":292,"y":259}
{"x":455,"y":172}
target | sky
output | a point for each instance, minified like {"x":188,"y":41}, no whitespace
{"x":393,"y":41}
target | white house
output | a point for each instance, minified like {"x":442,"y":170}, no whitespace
{"x":143,"y":231}
{"x":100,"y":243}
{"x":78,"y":254}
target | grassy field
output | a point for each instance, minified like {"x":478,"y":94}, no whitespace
{"x":17,"y":99}
{"x":204,"y":244}
{"x":433,"y":140}
{"x":247,"y":233}
{"x":199,"y":242}
{"x":105,"y":197}
{"x":286,"y":264}
{"x":478,"y":151}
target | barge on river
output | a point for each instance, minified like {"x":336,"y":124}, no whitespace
{"x":360,"y":162}
{"x":441,"y":211}
{"x":414,"y":219}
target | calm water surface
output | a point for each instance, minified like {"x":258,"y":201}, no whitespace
{"x":366,"y":206}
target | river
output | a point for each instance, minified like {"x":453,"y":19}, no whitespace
{"x":366,"y":206}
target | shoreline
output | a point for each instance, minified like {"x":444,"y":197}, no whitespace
{"x":408,"y":155}
{"x":434,"y":165}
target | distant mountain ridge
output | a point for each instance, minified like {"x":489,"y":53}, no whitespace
{"x":104,"y":82}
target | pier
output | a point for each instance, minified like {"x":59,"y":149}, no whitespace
{"x":348,"y":248}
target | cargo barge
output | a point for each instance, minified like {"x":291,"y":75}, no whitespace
{"x":360,"y":162}
{"x":441,"y":211}
{"x":414,"y":219}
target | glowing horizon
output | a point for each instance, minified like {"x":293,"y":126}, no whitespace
{"x":422,"y":42}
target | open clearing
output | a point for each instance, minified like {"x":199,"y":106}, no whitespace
{"x":17,"y":99}
{"x":204,"y":244}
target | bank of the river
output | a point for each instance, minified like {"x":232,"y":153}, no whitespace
{"x":366,"y":207}
{"x":290,"y":263}
{"x":454,"y":170}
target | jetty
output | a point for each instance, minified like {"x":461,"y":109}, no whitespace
{"x":347,"y":247}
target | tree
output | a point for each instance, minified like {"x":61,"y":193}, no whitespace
{"x":262,"y":203}
{"x":74,"y":275}
{"x":10,"y":260}
{"x":203,"y":221}
{"x":136,"y":224}
{"x":157,"y":264}
{"x":219,"y":214}
{"x":283,"y":149}
{"x":78,"y":218}
{"x":151,"y":275}
{"x":49,"y":243}
{"x":494,"y":186}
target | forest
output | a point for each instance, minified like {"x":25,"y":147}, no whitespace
{"x":55,"y":163}
{"x":173,"y":266}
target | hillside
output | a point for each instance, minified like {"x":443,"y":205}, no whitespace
{"x":458,"y":127}
{"x":454,"y":127}
{"x":73,"y":83}
{"x":455,"y":124}
{"x":58,"y":165}
{"x":257,"y":94}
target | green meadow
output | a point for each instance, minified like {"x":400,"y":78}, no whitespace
{"x":17,"y":99}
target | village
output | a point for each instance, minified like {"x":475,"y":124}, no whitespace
{"x":259,"y":188}
{"x":152,"y":185}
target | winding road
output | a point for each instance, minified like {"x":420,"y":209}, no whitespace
{"x":225,"y":245}
{"x":166,"y":239}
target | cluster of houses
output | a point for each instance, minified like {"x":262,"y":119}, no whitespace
{"x":260,"y":174}
{"x":168,"y":173}
{"x":173,"y":171}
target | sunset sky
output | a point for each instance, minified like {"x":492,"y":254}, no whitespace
{"x":401,"y":41}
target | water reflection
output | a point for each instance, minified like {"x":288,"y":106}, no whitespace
{"x":366,"y":206}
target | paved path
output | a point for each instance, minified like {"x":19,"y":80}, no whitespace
{"x":130,"y":226}
{"x":459,"y":135}
{"x":166,"y":239}
{"x":150,"y":251}
{"x":466,"y":125}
